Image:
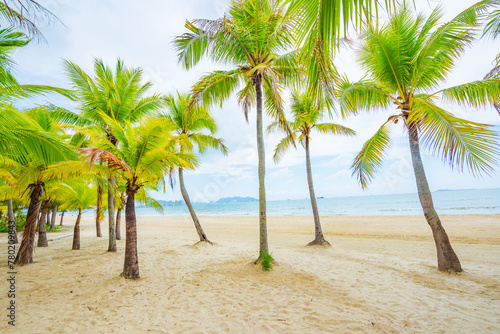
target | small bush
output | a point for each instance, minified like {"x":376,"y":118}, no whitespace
{"x":266,"y":261}
{"x":4,"y":223}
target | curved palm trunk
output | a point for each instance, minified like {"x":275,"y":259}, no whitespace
{"x":12,"y":222}
{"x":42,"y":229}
{"x":53,"y":218}
{"x":263,"y":249}
{"x":25,"y":253}
{"x":185,"y":196}
{"x":318,"y":233}
{"x":118,"y":223}
{"x":76,"y":232}
{"x":447,"y":259}
{"x":62,"y":216}
{"x":111,"y":215}
{"x":131,"y":265}
{"x":98,"y":212}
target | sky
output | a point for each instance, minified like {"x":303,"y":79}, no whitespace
{"x":141,"y":34}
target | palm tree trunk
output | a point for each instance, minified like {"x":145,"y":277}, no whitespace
{"x":131,"y":265}
{"x":48,"y":216}
{"x":98,"y":211}
{"x":263,"y":249}
{"x":76,"y":232}
{"x":185,"y":195}
{"x":12,"y":222}
{"x":111,"y":215}
{"x":62,"y":216}
{"x":118,"y":223}
{"x":318,"y":233}
{"x":53,"y":218}
{"x":447,"y":259}
{"x":25,"y":253}
{"x":42,"y":229}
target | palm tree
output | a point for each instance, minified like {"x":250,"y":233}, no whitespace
{"x":406,"y":59}
{"x":189,"y":131}
{"x":41,"y":145}
{"x":143,"y":157}
{"x":306,"y":113}
{"x":118,"y":95}
{"x":77,"y":196}
{"x":254,"y":37}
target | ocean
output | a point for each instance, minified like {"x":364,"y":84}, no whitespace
{"x":474,"y":201}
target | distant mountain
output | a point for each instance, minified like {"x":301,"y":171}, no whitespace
{"x":236,"y":200}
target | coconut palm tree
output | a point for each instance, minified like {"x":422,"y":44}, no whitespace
{"x":306,"y":114}
{"x":42,"y":143}
{"x":406,"y":59}
{"x":118,"y":95}
{"x":189,"y":132}
{"x":143,"y":157}
{"x":77,"y":196}
{"x":254,"y":38}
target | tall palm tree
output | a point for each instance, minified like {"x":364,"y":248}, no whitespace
{"x":143,"y":157}
{"x":77,"y":196}
{"x":254,"y":38}
{"x":118,"y":95}
{"x":406,"y":59}
{"x":189,"y":132}
{"x":306,"y":114}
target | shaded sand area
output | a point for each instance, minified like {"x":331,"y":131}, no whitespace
{"x":380,"y":276}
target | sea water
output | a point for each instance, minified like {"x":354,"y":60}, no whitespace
{"x":477,"y":201}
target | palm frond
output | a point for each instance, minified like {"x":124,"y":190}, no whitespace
{"x":461,"y":143}
{"x":366,"y":163}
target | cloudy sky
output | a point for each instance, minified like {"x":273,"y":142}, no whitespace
{"x":141,"y":32}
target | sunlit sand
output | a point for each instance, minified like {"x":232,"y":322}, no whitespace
{"x":380,"y":276}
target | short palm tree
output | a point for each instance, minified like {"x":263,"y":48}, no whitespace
{"x":118,"y":95}
{"x":42,"y":144}
{"x":254,"y":38}
{"x":77,"y":196}
{"x":406,"y":59}
{"x":143,"y":156}
{"x":189,"y":132}
{"x":306,"y":113}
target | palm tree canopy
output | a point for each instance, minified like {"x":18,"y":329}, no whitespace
{"x":144,"y":153}
{"x":319,"y":29}
{"x":306,"y":113}
{"x":75,"y":195}
{"x":117,"y":94}
{"x":191,"y":125}
{"x":254,"y":38}
{"x":406,"y":60}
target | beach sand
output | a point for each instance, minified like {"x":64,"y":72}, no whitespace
{"x":380,"y":276}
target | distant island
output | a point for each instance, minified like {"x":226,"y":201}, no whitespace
{"x":236,"y":200}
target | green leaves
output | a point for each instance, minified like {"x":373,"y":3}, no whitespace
{"x":459,"y":142}
{"x":370,"y":158}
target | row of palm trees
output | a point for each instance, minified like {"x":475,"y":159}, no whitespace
{"x":125,"y":142}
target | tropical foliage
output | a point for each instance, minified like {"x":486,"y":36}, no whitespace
{"x":306,"y":113}
{"x":255,"y":39}
{"x":189,"y":128}
{"x":406,"y":60}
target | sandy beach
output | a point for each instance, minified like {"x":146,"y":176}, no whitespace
{"x":380,"y":276}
